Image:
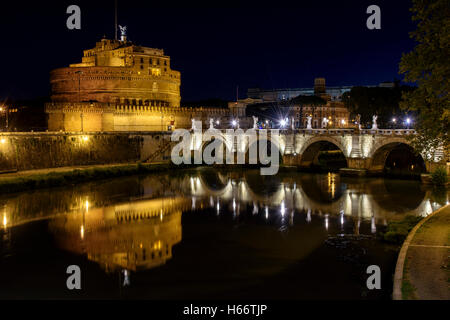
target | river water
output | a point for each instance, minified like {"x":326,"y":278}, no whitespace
{"x":206,"y":234}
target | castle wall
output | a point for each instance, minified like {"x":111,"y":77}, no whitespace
{"x":90,"y":117}
{"x":114,"y":84}
{"x":26,"y":151}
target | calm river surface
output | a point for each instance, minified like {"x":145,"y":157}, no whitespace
{"x":206,"y":234}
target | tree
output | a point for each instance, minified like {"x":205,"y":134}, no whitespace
{"x":384,"y":102}
{"x":428,"y":67}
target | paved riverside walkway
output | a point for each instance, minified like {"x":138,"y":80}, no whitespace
{"x":426,"y":269}
{"x":27,"y":173}
{"x":30,"y":173}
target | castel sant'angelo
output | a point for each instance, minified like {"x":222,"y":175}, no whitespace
{"x":120,"y":86}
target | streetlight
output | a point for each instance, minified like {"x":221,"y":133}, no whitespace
{"x":283,"y":122}
{"x":408,"y":122}
{"x":233,"y":123}
{"x":394,"y":122}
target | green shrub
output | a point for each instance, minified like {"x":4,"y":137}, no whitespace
{"x":397,"y":231}
{"x":439,"y":176}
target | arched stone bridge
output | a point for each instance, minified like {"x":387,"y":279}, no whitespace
{"x":364,"y":150}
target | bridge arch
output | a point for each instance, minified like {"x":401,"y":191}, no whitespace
{"x":310,"y":151}
{"x":396,"y":154}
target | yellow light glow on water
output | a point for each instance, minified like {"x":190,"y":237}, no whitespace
{"x":87,"y":205}
{"x":331,"y":184}
{"x":157,"y":245}
{"x":82,"y":232}
{"x":5,"y":221}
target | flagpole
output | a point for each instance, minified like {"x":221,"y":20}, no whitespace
{"x":115,"y":20}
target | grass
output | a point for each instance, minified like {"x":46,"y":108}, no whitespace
{"x":57,"y":179}
{"x":397,"y":231}
{"x":408,"y":289}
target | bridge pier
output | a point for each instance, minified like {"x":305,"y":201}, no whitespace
{"x":356,"y":167}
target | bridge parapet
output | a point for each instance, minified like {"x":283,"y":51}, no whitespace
{"x":389,"y":132}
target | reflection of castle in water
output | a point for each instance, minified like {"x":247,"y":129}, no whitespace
{"x":133,"y":236}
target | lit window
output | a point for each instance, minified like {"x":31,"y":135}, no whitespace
{"x":156,"y":72}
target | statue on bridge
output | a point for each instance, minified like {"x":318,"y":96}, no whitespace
{"x":309,"y":127}
{"x":211,"y":123}
{"x":374,"y":122}
{"x":358,"y":121}
{"x":193,"y":124}
{"x":292,"y":123}
{"x":324,"y":123}
{"x":255,"y":122}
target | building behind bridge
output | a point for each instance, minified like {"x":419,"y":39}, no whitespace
{"x":322,"y":104}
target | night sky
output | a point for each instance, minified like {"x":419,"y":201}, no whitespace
{"x":215,"y":48}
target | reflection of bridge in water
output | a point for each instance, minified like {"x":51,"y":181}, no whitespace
{"x":315,"y":193}
{"x":133,"y":223}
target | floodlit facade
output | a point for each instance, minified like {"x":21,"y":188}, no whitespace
{"x":120,"y":86}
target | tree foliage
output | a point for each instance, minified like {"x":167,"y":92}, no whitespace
{"x":308,"y":100}
{"x":428,"y":67}
{"x":368,"y":101}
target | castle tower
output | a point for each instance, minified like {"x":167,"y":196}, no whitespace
{"x":319,"y":86}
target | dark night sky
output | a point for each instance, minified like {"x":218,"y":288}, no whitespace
{"x":214,"y":48}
